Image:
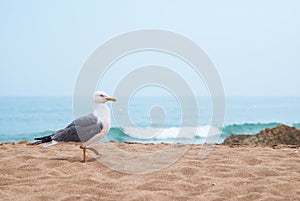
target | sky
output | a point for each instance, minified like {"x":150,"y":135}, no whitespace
{"x":255,"y":45}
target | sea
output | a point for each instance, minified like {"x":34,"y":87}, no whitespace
{"x":149,"y":119}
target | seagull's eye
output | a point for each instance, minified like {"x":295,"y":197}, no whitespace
{"x":102,"y":95}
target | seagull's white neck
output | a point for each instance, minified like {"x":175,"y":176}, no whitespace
{"x":103,"y":112}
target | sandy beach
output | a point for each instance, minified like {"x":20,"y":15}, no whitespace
{"x":32,"y":172}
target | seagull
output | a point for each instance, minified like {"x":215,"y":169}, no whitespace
{"x":87,"y":129}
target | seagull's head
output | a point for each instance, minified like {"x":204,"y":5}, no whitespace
{"x":102,"y":97}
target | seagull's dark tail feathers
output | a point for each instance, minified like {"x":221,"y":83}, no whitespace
{"x":44,"y":139}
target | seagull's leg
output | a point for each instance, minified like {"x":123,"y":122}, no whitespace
{"x":84,"y":153}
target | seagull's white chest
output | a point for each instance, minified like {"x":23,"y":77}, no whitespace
{"x":102,"y":111}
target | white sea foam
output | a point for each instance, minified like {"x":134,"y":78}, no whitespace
{"x":172,"y":133}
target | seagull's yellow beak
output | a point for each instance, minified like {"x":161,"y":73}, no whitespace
{"x":111,"y":99}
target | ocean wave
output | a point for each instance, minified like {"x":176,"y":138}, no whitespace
{"x":297,"y":125}
{"x":172,"y":133}
{"x":247,"y":128}
{"x":144,"y":135}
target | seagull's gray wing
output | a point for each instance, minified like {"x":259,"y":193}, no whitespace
{"x":83,"y":121}
{"x":81,"y":129}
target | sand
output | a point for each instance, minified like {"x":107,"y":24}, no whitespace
{"x":32,"y":172}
